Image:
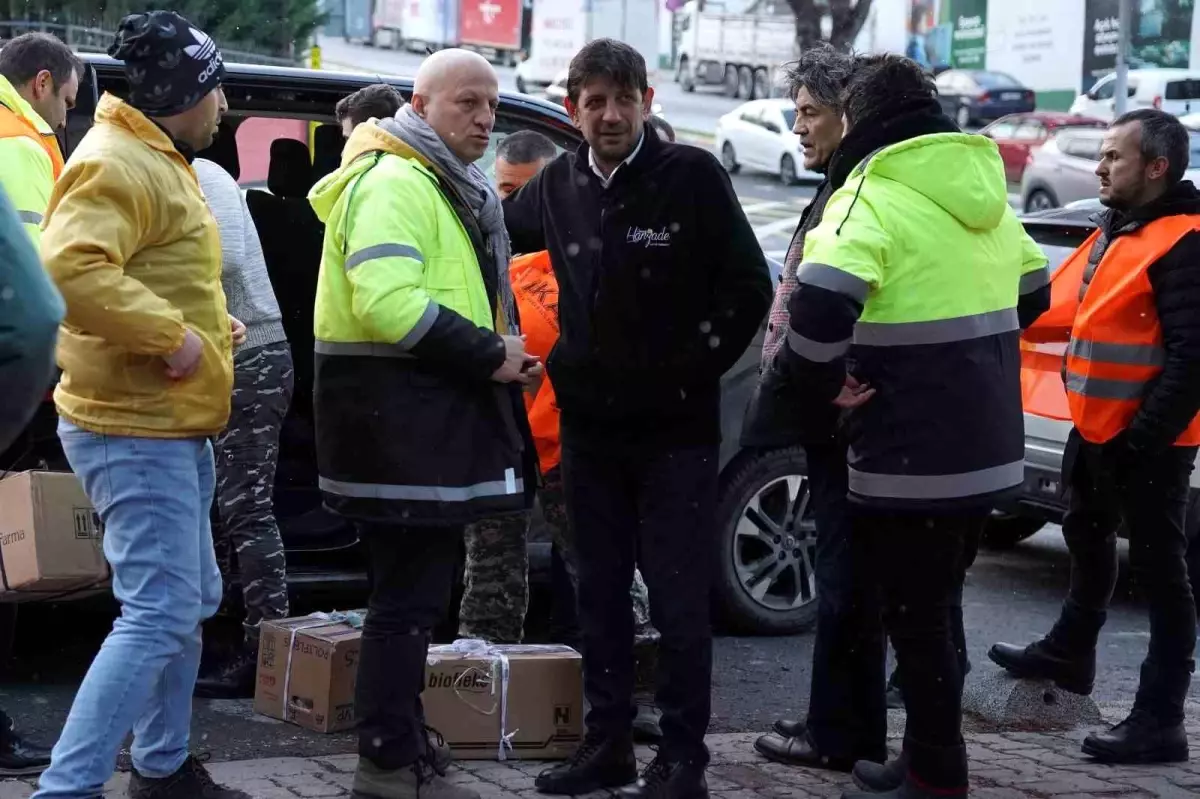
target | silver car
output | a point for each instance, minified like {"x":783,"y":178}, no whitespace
{"x":1063,"y":170}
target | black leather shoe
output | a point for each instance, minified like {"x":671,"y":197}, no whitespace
{"x":191,"y":781}
{"x":599,"y":762}
{"x":233,"y":679}
{"x":1042,"y":660}
{"x":908,"y":790}
{"x":789,"y":729}
{"x":798,"y":751}
{"x":665,"y":779}
{"x":1139,"y":739}
{"x":21,"y":758}
{"x":880,"y":777}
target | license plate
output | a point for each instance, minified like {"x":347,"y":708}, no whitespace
{"x":1011,"y":96}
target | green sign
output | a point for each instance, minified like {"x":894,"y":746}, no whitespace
{"x":968,"y":38}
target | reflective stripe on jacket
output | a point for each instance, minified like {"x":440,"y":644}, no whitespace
{"x":1103,"y":307}
{"x":536,"y":292}
{"x":30,"y":160}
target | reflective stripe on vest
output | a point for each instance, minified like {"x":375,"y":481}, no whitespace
{"x":12,"y":125}
{"x":1115,"y":351}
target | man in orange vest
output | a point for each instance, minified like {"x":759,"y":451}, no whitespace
{"x":1127,"y":306}
{"x":39,"y":78}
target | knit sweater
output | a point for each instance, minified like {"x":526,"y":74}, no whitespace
{"x":248,"y":291}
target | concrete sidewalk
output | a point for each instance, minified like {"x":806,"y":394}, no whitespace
{"x":1004,"y":766}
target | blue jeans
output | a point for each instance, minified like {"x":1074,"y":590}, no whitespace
{"x":153,"y":496}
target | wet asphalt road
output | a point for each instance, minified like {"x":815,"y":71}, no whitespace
{"x":1010,"y":596}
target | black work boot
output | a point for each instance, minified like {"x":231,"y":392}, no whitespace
{"x":1139,"y":739}
{"x":1044,"y":660}
{"x":909,"y":789}
{"x":191,"y":781}
{"x":419,"y":780}
{"x":647,"y":722}
{"x":880,"y":777}
{"x":18,"y":757}
{"x":667,"y":779}
{"x":232,"y":679}
{"x":599,"y":762}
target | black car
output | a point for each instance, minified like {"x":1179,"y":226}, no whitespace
{"x":976,"y":96}
{"x":766,"y":583}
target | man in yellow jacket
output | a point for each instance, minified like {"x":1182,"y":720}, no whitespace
{"x":145,"y":350}
{"x":39,"y":78}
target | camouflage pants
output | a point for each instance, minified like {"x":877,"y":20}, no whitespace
{"x":554,"y":507}
{"x":495,"y":580}
{"x":247,"y":453}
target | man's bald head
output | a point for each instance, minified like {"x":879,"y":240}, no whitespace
{"x":456,"y":92}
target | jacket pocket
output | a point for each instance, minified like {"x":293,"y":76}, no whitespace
{"x":446,"y":283}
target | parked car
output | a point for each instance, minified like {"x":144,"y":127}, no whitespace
{"x":1063,"y":170}
{"x":758,"y":134}
{"x":976,"y":96}
{"x":1019,"y":135}
{"x":1176,"y":91}
{"x":1059,"y":232}
{"x":767,"y":538}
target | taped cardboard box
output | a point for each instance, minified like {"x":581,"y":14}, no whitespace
{"x":307,"y":668}
{"x":51,"y":540}
{"x":505,"y":701}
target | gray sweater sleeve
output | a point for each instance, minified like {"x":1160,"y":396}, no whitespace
{"x":244,"y":277}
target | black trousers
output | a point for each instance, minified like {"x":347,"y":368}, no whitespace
{"x":917,"y":560}
{"x":847,"y":711}
{"x":412,"y":576}
{"x":632,"y":504}
{"x":1150,"y":497}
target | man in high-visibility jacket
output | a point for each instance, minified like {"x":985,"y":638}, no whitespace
{"x":39,"y":78}
{"x":1127,"y":305}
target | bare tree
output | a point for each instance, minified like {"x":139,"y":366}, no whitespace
{"x":846,"y":19}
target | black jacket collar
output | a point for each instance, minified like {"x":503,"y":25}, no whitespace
{"x":652,"y":146}
{"x":1182,"y":198}
{"x":892,"y":124}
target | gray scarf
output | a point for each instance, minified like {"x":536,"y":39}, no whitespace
{"x":469,"y":182}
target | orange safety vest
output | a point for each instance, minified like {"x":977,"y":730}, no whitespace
{"x":13,"y":124}
{"x":536,"y":293}
{"x":1112,"y":334}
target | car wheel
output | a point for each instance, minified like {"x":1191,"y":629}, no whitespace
{"x":1005,"y":531}
{"x":762,"y":84}
{"x":1039,"y":200}
{"x":684,"y":76}
{"x":766,"y":582}
{"x":729,"y":158}
{"x":521,"y":87}
{"x":963,"y":116}
{"x":731,"y":81}
{"x":787,"y":170}
{"x":746,"y":83}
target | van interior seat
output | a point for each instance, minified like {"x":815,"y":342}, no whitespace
{"x":328,"y":144}
{"x":224,"y":150}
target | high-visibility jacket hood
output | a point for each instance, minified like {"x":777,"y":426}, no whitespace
{"x":368,"y":137}
{"x":13,"y":101}
{"x":961,"y":173}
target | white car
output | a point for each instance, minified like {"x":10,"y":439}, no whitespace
{"x":1176,"y":91}
{"x":758,"y":135}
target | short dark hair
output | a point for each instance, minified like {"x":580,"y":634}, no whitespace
{"x":25,"y":56}
{"x":606,"y":58}
{"x":659,"y":123}
{"x":824,"y":71}
{"x":1163,"y":136}
{"x":880,"y":82}
{"x":526,"y":147}
{"x":379,"y":100}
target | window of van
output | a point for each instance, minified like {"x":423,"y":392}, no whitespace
{"x":1183,"y":90}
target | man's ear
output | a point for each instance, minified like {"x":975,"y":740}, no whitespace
{"x":572,"y":110}
{"x":1158,"y":168}
{"x":42,"y":84}
{"x":648,"y":101}
{"x":419,"y":104}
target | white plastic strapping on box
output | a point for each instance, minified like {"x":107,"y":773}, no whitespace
{"x":350,"y":617}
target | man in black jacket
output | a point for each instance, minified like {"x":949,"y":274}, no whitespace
{"x":847,"y":717}
{"x":662,"y":287}
{"x":1135,"y":286}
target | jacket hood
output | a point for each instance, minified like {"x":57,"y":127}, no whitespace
{"x":961,"y":173}
{"x":11,"y":99}
{"x":112,"y":110}
{"x":367,"y":138}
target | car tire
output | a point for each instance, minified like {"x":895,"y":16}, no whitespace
{"x":521,"y":87}
{"x":1039,"y":200}
{"x":963,"y":116}
{"x":746,"y":83}
{"x":787,"y":171}
{"x":762,"y":83}
{"x":684,"y":77}
{"x":1004,"y":531}
{"x":762,"y":492}
{"x":729,"y":158}
{"x":731,"y":81}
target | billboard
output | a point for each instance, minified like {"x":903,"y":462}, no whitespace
{"x":490,"y":23}
{"x":968,"y":37}
{"x":1037,"y":42}
{"x":1160,"y":36}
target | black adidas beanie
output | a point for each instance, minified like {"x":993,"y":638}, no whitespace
{"x":171,"y":64}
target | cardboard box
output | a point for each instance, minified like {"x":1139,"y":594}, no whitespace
{"x":50,"y":539}
{"x":540,"y":711}
{"x":312,"y":663}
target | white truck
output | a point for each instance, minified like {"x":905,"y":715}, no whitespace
{"x":425,"y":24}
{"x":561,"y":27}
{"x":737,"y":51}
{"x":387,"y":23}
